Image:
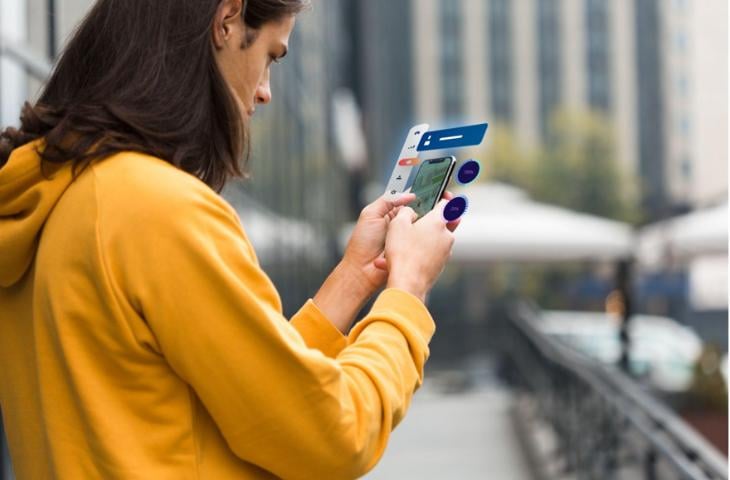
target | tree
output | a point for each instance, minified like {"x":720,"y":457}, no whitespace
{"x":507,"y":161}
{"x":576,"y":167}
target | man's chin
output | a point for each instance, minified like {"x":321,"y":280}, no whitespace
{"x":246,"y":112}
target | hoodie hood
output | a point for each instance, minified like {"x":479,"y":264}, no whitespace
{"x":26,"y":200}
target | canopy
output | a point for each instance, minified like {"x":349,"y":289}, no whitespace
{"x":503,"y":224}
{"x":697,"y":240}
{"x":699,"y":233}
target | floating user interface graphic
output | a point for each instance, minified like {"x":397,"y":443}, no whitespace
{"x":468,"y":172}
{"x":453,"y":137}
{"x":455,"y":208}
{"x":431,"y":177}
{"x":408,"y":162}
{"x":407,"y":159}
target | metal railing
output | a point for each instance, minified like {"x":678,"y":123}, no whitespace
{"x":604,"y":424}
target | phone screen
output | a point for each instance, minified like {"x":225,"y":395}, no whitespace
{"x":429,"y":184}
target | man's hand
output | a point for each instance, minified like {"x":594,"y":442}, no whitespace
{"x":367,"y":241}
{"x":363,"y":269}
{"x":365,"y":250}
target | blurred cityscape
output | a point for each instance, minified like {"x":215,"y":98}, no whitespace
{"x":600,"y":223}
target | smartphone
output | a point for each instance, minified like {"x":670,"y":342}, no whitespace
{"x":431,"y":180}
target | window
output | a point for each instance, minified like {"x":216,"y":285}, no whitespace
{"x":451,"y":58}
{"x":548,"y":38}
{"x":598,"y":53}
{"x":500,"y":58}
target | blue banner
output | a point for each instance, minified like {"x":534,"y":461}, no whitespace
{"x":453,"y":137}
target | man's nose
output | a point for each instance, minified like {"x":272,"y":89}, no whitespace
{"x":263,"y":93}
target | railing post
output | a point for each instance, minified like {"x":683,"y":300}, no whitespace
{"x":650,"y":465}
{"x":612,"y":443}
{"x":623,"y":285}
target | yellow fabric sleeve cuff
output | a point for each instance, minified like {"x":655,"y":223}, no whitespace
{"x":318,"y":332}
{"x":397,"y":303}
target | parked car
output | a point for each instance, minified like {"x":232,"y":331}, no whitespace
{"x":662,"y":351}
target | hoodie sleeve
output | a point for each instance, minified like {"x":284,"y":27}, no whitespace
{"x":317,"y":331}
{"x":297,"y":399}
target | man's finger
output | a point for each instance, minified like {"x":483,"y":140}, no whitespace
{"x":408,"y":212}
{"x":393,"y":213}
{"x":383,"y":205}
{"x":452,"y":225}
{"x":381,"y":263}
{"x":404,"y":199}
{"x":442,"y":203}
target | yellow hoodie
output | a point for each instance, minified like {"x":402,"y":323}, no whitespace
{"x":140,"y":339}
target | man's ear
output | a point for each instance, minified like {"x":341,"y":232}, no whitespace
{"x":227,"y":17}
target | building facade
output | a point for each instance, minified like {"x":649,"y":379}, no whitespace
{"x":696,"y":99}
{"x":657,"y":69}
{"x":380,"y":59}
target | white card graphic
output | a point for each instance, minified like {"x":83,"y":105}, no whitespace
{"x":407,"y":159}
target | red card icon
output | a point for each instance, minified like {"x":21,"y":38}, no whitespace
{"x":406,"y":162}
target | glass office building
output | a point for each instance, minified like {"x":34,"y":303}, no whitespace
{"x":637,"y":63}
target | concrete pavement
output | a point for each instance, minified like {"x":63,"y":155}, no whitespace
{"x":467,"y":435}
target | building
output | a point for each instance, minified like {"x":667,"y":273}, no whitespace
{"x":515,"y":62}
{"x":696,"y":98}
{"x":382,"y":75}
{"x":656,"y":68}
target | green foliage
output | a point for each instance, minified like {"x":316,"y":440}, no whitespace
{"x":507,"y":161}
{"x":577,"y":167}
{"x":708,"y":390}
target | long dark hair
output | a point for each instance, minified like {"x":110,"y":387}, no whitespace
{"x":140,"y":75}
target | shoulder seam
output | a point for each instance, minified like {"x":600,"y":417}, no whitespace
{"x":109,"y":283}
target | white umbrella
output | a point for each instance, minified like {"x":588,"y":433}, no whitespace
{"x":503,"y":224}
{"x":699,"y":233}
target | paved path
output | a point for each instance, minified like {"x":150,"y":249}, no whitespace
{"x":457,"y":436}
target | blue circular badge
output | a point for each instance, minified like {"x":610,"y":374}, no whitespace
{"x":468,"y":172}
{"x":455,"y":208}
